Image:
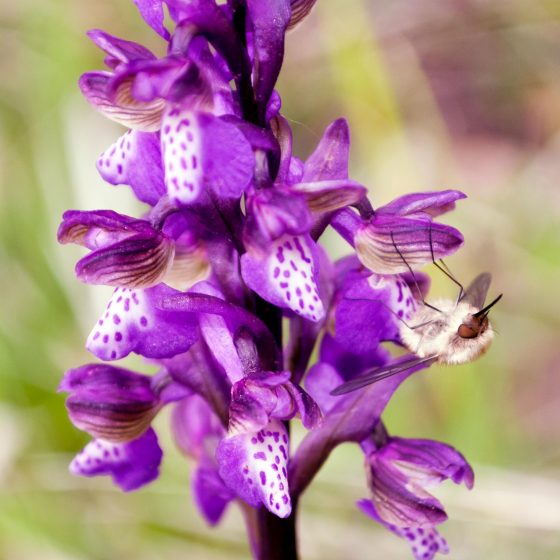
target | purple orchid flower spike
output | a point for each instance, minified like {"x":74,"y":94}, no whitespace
{"x":227,"y":259}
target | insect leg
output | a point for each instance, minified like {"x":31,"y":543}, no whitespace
{"x":420,"y":296}
{"x":445,"y":269}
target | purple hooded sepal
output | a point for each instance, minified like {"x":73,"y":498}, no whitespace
{"x":197,"y":431}
{"x":272,"y":213}
{"x":203,"y":151}
{"x":402,"y":234}
{"x":400,"y":472}
{"x":126,"y":252}
{"x":329,"y":161}
{"x":329,"y":195}
{"x":110,"y":403}
{"x":133,"y":321}
{"x":425,"y":542}
{"x":130,"y":465}
{"x":135,"y":160}
{"x":286,"y":275}
{"x":269,"y":19}
{"x":254,"y":466}
{"x":119,"y":51}
{"x":120,"y":106}
{"x":152,"y":12}
{"x":257,"y":398}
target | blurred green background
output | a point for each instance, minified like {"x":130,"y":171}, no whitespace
{"x":462,"y":94}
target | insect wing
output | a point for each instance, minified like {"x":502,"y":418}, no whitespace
{"x":377,"y":374}
{"x":475,"y":294}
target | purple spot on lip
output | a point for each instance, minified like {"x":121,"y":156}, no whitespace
{"x":106,"y":338}
{"x":118,"y":336}
{"x":260,"y":455}
{"x":143,"y":321}
{"x":116,"y":319}
{"x":262,"y":474}
{"x":276,"y":272}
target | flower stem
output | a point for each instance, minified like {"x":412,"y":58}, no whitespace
{"x":271,"y":537}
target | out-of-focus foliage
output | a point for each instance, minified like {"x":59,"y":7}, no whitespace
{"x":462,"y":94}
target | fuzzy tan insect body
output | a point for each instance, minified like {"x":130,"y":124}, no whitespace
{"x":440,"y":333}
{"x":444,"y":332}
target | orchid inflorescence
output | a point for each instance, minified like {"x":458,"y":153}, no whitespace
{"x":225,"y":264}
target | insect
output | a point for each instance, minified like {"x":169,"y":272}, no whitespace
{"x":446,"y":332}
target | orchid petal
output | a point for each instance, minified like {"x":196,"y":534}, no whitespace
{"x":210,"y":494}
{"x":132,"y":322}
{"x":431,"y":203}
{"x":152,"y":12}
{"x":425,"y":542}
{"x":121,"y":106}
{"x":254,"y":465}
{"x":119,"y":51}
{"x":270,"y":19}
{"x":330,"y":195}
{"x":201,"y":150}
{"x":109,"y":403}
{"x":392,"y":244}
{"x":287,"y":275}
{"x":131,"y":465}
{"x":135,"y":160}
{"x":300,"y":9}
{"x":370,"y":309}
{"x":329,"y":161}
{"x":139,"y":261}
{"x":97,"y":229}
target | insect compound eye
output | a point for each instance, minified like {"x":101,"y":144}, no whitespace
{"x":467,"y":331}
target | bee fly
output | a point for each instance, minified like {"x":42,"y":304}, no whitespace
{"x":445,"y":332}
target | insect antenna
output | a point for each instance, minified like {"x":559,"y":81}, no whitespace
{"x":421,"y":297}
{"x":445,"y":269}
